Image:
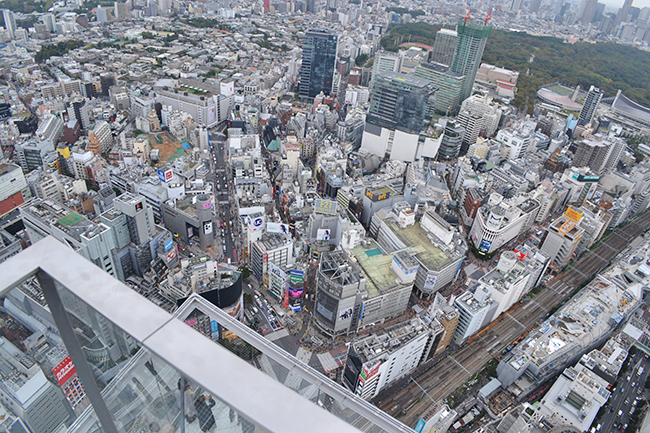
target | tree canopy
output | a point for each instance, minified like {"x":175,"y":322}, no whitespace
{"x":59,"y":49}
{"x":605,"y":65}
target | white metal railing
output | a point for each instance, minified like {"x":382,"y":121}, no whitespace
{"x":270,"y":405}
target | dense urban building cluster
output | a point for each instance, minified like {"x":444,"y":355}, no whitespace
{"x":278,"y":177}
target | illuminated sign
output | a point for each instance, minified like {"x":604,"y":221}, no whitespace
{"x":325,"y":206}
{"x":168,"y":244}
{"x":138,"y":206}
{"x":296,"y":277}
{"x":171,"y":254}
{"x":207,"y":205}
{"x":485,"y":245}
{"x":377,"y":196}
{"x":64,"y":371}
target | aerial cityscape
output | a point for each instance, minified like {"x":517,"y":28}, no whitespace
{"x":324,"y":216}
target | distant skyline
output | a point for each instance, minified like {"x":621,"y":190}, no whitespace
{"x":618,"y":3}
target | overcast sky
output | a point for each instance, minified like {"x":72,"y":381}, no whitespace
{"x":618,"y":3}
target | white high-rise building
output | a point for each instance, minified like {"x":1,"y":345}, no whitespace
{"x":479,"y":116}
{"x":10,"y":22}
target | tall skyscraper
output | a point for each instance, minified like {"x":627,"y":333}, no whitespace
{"x":10,"y":22}
{"x":534,"y":6}
{"x":399,"y":101}
{"x":310,"y":6}
{"x":594,"y":96}
{"x":623,"y":12}
{"x":318,"y":61}
{"x":444,"y":46}
{"x":472,"y":36}
{"x":386,"y":61}
{"x":589,"y":12}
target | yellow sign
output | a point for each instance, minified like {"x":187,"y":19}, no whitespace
{"x":65,"y":152}
{"x":573,"y":214}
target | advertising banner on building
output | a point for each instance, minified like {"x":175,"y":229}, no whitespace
{"x":169,"y":243}
{"x":377,"y":195}
{"x":345,"y":314}
{"x":255,"y":224}
{"x":520,"y":255}
{"x":64,"y":371}
{"x":296,"y":277}
{"x":325,"y":206}
{"x":485,"y":245}
{"x":207,"y":227}
{"x":323,"y":235}
{"x":171,"y":254}
{"x":165,"y":175}
{"x":277,"y":228}
{"x":430,"y":282}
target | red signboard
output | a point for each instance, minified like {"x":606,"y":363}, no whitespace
{"x":64,"y":371}
{"x":520,"y":255}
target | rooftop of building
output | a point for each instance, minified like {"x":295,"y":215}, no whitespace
{"x":7,"y":168}
{"x":272,"y":241}
{"x":337,"y":266}
{"x":576,"y":397}
{"x":387,"y":340}
{"x":64,"y":219}
{"x":587,"y":317}
{"x":503,"y":281}
{"x":409,"y":80}
{"x":439,"y":67}
{"x":470,"y":303}
{"x":625,"y":105}
{"x":417,"y":239}
{"x":380,"y":278}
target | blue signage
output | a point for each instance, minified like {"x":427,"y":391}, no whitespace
{"x":168,"y":244}
{"x":419,"y":426}
{"x":485,"y":245}
{"x":161,"y":175}
{"x":257,"y":222}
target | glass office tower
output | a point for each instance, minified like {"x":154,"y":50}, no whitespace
{"x":472,"y":37}
{"x":318,"y":62}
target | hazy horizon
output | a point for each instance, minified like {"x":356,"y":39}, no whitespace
{"x":618,"y":3}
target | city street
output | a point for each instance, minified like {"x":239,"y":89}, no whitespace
{"x":224,"y":192}
{"x":626,"y":395}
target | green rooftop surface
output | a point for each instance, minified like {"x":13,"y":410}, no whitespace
{"x":70,"y":219}
{"x":415,"y":237}
{"x":380,"y":278}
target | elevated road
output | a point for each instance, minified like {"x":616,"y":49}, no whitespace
{"x":443,"y":378}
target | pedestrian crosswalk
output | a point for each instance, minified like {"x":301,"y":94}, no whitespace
{"x":327,"y":361}
{"x":277,"y":335}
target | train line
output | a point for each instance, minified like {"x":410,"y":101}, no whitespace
{"x":443,"y":378}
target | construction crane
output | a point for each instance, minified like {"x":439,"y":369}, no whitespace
{"x":488,"y":17}
{"x":467,"y":16}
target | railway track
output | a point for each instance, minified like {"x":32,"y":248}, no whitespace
{"x":443,"y":378}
